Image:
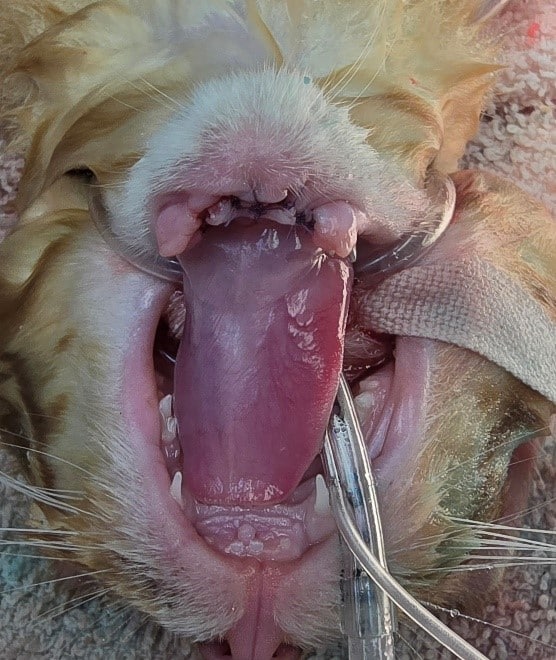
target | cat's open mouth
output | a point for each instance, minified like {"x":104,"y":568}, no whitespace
{"x":261,"y":493}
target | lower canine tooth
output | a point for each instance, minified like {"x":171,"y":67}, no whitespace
{"x":322,"y":499}
{"x":175,"y":488}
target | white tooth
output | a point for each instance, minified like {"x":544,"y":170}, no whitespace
{"x":175,"y":488}
{"x":282,"y":216}
{"x":219,"y":213}
{"x":165,"y":406}
{"x":169,"y":430}
{"x":322,"y":498}
{"x":364,"y":403}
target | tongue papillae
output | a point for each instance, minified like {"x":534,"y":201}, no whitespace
{"x":259,"y":361}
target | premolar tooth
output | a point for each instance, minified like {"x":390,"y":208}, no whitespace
{"x":282,"y":216}
{"x":322,"y":498}
{"x":175,"y":488}
{"x":169,"y":422}
{"x":365,"y":402}
{"x":165,"y":406}
{"x":171,"y":431}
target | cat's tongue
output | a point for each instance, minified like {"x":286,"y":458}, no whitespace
{"x":259,"y":361}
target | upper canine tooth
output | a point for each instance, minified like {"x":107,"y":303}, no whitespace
{"x":322,"y":498}
{"x":175,"y":488}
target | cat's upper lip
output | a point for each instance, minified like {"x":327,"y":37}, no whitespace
{"x":179,"y":218}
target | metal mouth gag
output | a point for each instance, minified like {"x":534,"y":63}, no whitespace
{"x":369,"y":591}
{"x":376,"y":263}
{"x":372,"y":264}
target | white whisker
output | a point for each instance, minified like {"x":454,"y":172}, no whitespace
{"x":23,"y":587}
{"x":47,"y":455}
{"x":35,"y":494}
{"x":59,"y":610}
{"x":158,"y":91}
{"x":352,"y":71}
{"x":48,"y":557}
{"x":494,"y":525}
{"x":31,"y":530}
{"x":495,"y":564}
{"x":541,"y":505}
{"x":47,"y":545}
{"x":456,"y":614}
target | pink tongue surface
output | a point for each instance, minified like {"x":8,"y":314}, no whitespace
{"x":259,"y":361}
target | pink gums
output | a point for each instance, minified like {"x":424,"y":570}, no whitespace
{"x":259,"y":361}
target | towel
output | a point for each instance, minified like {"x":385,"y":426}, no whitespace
{"x":47,"y":612}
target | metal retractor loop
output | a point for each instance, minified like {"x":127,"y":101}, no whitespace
{"x":150,"y":263}
{"x":375,"y":263}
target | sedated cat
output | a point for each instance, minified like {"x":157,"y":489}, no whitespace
{"x":250,"y":147}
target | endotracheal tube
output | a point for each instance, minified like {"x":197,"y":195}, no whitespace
{"x":369,"y":591}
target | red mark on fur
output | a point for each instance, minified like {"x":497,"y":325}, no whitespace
{"x":534,"y":30}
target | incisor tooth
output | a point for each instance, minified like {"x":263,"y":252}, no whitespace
{"x":322,"y":498}
{"x":175,"y":488}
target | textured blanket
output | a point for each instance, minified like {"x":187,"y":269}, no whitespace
{"x":46,"y":612}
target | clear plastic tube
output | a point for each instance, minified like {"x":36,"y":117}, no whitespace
{"x":368,"y":617}
{"x":412,"y":608}
{"x":344,"y":468}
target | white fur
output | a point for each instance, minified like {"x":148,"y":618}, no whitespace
{"x":294,"y":130}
